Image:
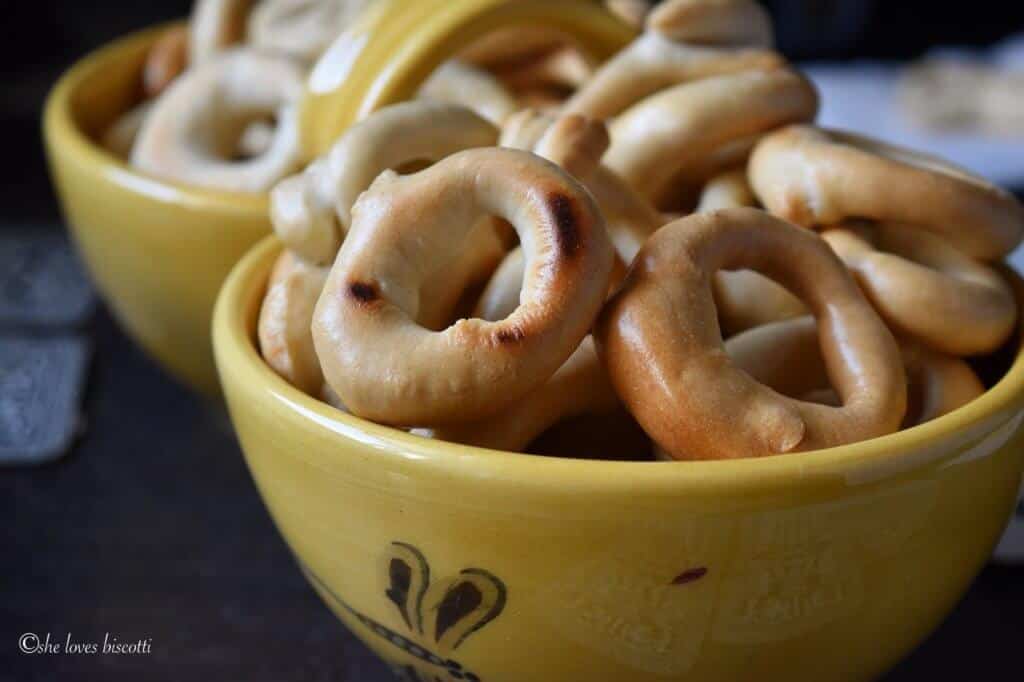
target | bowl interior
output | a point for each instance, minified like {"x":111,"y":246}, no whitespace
{"x":238,"y":355}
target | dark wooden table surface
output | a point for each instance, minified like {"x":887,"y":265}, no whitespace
{"x":152,"y":529}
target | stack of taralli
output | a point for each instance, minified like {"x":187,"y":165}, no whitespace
{"x":219,"y":96}
{"x":672,"y":242}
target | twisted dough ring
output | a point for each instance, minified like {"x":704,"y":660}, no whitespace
{"x":301,"y":28}
{"x":668,"y":53}
{"x":630,"y":218}
{"x":311,"y":211}
{"x":165,"y":61}
{"x":192,"y":131}
{"x":744,"y":298}
{"x":216,"y":25}
{"x":817,"y":177}
{"x":364,"y":318}
{"x":457,"y":83}
{"x":927,"y":289}
{"x":660,"y":341}
{"x":786,"y":357}
{"x":682,"y":126}
{"x":286,"y":319}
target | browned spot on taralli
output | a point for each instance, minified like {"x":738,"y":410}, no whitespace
{"x":510,"y":335}
{"x":567,"y":229}
{"x":363,"y":292}
{"x":690,"y":575}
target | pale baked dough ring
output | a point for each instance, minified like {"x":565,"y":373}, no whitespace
{"x":744,"y":298}
{"x":455,"y":82}
{"x":630,"y":219}
{"x":191,"y":134}
{"x":385,"y":367}
{"x":512,"y":45}
{"x":684,"y":125}
{"x":565,"y":67}
{"x":215,"y":26}
{"x":119,"y":138}
{"x":815,"y":177}
{"x":713,"y":22}
{"x":580,"y":386}
{"x":786,"y":356}
{"x":166,"y":60}
{"x":286,"y":320}
{"x":727,"y":190}
{"x":633,"y":12}
{"x":311,"y":211}
{"x":926,"y":289}
{"x":653,"y":62}
{"x":660,"y":341}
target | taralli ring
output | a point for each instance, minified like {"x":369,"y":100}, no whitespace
{"x":215,"y":26}
{"x":166,"y":61}
{"x":579,"y":387}
{"x":660,"y":341}
{"x":786,"y":357}
{"x":384,"y":366}
{"x":744,"y":298}
{"x":668,"y":53}
{"x":630,"y":218}
{"x":286,"y":320}
{"x":311,"y":211}
{"x":684,"y":125}
{"x":713,"y":22}
{"x":456,"y":83}
{"x":927,"y":289}
{"x":191,"y":134}
{"x":815,"y":177}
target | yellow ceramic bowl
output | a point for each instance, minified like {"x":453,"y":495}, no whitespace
{"x":157,"y":251}
{"x":455,"y":563}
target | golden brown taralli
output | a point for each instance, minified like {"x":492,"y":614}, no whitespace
{"x":659,"y":338}
{"x":815,"y":177}
{"x":682,"y":126}
{"x":926,"y":289}
{"x":385,"y":367}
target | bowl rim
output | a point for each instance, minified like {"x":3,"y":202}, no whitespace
{"x":71,"y":143}
{"x":239,"y":363}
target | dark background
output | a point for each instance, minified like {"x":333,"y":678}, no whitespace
{"x":151,"y":528}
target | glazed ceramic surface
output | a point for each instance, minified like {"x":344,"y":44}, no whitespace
{"x":157,"y":251}
{"x":455,"y":563}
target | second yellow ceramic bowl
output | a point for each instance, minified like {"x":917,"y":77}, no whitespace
{"x":456,"y":563}
{"x":158,"y":251}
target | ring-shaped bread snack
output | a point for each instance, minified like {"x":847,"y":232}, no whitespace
{"x":815,"y":177}
{"x":786,"y":356}
{"x":191,"y":134}
{"x":301,"y":28}
{"x":926,"y":289}
{"x":166,"y":60}
{"x":744,"y":298}
{"x":669,"y":52}
{"x":215,"y":26}
{"x":727,"y":190}
{"x":733,"y":23}
{"x":311,"y":211}
{"x":286,"y":319}
{"x":630,"y":218}
{"x":579,"y":387}
{"x":385,"y":367}
{"x":660,"y":340}
{"x":682,"y":126}
{"x":455,"y":82}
